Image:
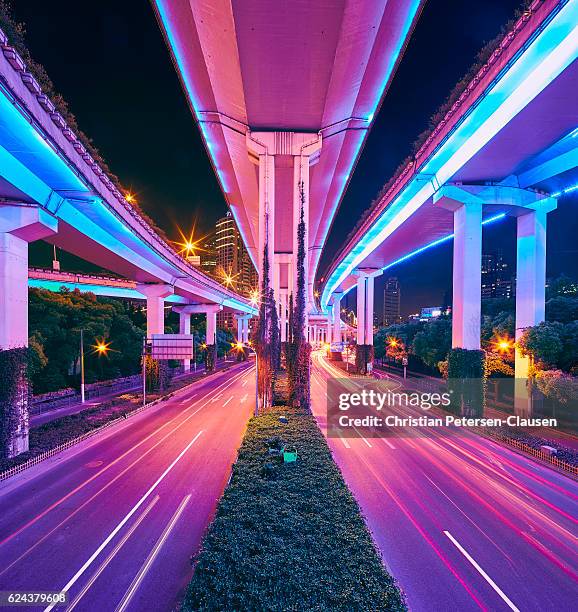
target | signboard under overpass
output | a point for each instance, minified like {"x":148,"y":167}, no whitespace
{"x":172,"y":346}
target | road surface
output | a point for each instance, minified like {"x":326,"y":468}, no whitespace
{"x":462,"y":523}
{"x":115,"y":520}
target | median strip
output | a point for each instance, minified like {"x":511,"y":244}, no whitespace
{"x":289,"y":535}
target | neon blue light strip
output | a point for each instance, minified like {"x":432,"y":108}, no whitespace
{"x":431,"y":245}
{"x":553,"y":50}
{"x":565,"y":191}
{"x":212,"y":147}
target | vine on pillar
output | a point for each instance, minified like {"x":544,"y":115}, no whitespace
{"x":15,"y":398}
{"x":268,"y":337}
{"x":299,"y":350}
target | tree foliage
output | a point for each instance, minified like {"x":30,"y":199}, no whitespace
{"x":433,"y":342}
{"x":55,"y":321}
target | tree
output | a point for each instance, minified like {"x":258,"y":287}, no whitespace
{"x":433,"y":342}
{"x":55,"y":321}
{"x":561,"y":286}
{"x":563,"y":309}
{"x":543,"y":343}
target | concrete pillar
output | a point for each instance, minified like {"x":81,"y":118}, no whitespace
{"x":365,"y":291}
{"x":20,"y":224}
{"x":211,"y":332}
{"x":243,"y":327}
{"x":467,"y":276}
{"x":336,"y":311}
{"x":267,"y":213}
{"x":246,"y":329}
{"x":155,"y":296}
{"x":283,"y":303}
{"x":239,"y":329}
{"x":530,"y":292}
{"x":185,"y":329}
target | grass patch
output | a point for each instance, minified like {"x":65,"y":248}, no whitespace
{"x":289,"y":536}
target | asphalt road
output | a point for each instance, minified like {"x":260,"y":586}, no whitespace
{"x":462,"y":523}
{"x":114,"y":521}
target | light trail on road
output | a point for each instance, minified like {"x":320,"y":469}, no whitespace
{"x":513,"y":519}
{"x":123,"y":535}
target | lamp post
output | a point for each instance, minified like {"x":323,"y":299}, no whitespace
{"x":82,"y":366}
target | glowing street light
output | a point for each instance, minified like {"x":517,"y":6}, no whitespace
{"x":130,"y":198}
{"x":254,"y":297}
{"x":504,"y":344}
{"x":101,"y":347}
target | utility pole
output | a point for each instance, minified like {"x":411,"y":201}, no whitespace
{"x":82,"y":366}
{"x":144,"y":371}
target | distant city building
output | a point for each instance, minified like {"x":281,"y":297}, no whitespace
{"x":208,"y":255}
{"x":391,"y":302}
{"x":431,"y":312}
{"x":497,"y":280}
{"x":232,"y":261}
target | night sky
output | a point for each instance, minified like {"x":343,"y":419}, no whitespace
{"x":109,"y":61}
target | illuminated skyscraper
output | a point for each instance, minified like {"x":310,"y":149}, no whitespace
{"x":391,"y":302}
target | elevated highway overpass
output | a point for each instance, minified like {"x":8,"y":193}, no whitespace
{"x":284,"y":94}
{"x":508,"y":146}
{"x":51,"y":188}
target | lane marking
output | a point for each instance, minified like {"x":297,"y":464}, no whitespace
{"x":243,"y":383}
{"x":345,"y":442}
{"x":127,"y":517}
{"x":368,"y":444}
{"x":122,"y":606}
{"x":227,"y":401}
{"x":216,"y":398}
{"x":244,"y":398}
{"x":112,"y":554}
{"x":386,"y":441}
{"x":107,"y":467}
{"x":481,"y":571}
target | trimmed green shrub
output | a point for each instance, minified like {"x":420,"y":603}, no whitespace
{"x":363,"y":358}
{"x":289,"y":536}
{"x":466,"y":381}
{"x":210,"y":357}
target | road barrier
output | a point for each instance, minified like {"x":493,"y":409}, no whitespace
{"x":541,"y":455}
{"x":65,"y":445}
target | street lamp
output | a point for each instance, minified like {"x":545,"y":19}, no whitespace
{"x":82,"y":366}
{"x":503,"y":344}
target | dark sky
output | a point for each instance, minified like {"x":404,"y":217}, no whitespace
{"x":109,"y":61}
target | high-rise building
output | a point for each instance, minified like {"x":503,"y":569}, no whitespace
{"x":232,"y":261}
{"x":391,"y":302}
{"x":208,"y":255}
{"x":497,"y":279}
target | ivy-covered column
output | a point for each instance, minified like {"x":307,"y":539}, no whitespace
{"x":19,"y":225}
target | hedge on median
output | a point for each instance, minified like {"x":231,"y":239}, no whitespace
{"x":289,"y":536}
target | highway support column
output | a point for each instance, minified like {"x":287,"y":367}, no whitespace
{"x":20,"y":224}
